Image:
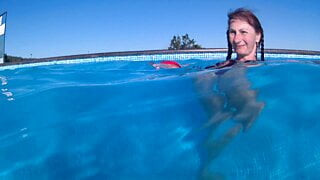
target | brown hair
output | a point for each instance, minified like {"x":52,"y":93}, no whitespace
{"x":246,"y":15}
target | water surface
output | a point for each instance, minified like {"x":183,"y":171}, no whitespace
{"x":126,"y":120}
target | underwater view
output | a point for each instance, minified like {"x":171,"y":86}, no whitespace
{"x":127,"y":120}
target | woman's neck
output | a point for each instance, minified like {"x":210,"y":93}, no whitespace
{"x":247,"y":58}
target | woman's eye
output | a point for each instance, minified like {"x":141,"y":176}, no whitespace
{"x":232,"y":32}
{"x":243,"y":32}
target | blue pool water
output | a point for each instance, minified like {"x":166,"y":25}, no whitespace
{"x":126,"y":120}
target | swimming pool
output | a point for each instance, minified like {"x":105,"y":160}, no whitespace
{"x":120,"y":119}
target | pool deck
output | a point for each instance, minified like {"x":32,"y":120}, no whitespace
{"x":153,"y":52}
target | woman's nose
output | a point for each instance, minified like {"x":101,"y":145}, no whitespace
{"x":237,"y":38}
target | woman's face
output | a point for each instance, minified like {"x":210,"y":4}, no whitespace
{"x":243,"y":38}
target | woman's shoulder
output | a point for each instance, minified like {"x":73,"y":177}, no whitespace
{"x":228,"y":63}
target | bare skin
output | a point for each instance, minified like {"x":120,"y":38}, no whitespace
{"x":226,"y":97}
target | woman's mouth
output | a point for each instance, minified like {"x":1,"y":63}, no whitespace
{"x":240,"y":46}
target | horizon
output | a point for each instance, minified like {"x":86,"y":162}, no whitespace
{"x":48,"y":29}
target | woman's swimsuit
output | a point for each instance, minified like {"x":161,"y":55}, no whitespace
{"x":223,"y":64}
{"x":228,"y":63}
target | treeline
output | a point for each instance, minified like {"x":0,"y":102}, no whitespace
{"x":183,"y":42}
{"x":8,"y":58}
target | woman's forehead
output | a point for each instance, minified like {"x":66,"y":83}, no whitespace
{"x":238,"y":23}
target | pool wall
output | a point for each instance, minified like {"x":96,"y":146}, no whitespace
{"x":151,"y":55}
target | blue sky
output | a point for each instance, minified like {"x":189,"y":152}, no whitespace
{"x":60,"y":27}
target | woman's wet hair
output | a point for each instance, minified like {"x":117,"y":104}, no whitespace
{"x":247,"y":16}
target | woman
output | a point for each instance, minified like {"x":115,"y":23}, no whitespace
{"x":226,"y":94}
{"x":245,"y":36}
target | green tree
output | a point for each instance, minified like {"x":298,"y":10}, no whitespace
{"x":8,"y":58}
{"x":183,"y":42}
